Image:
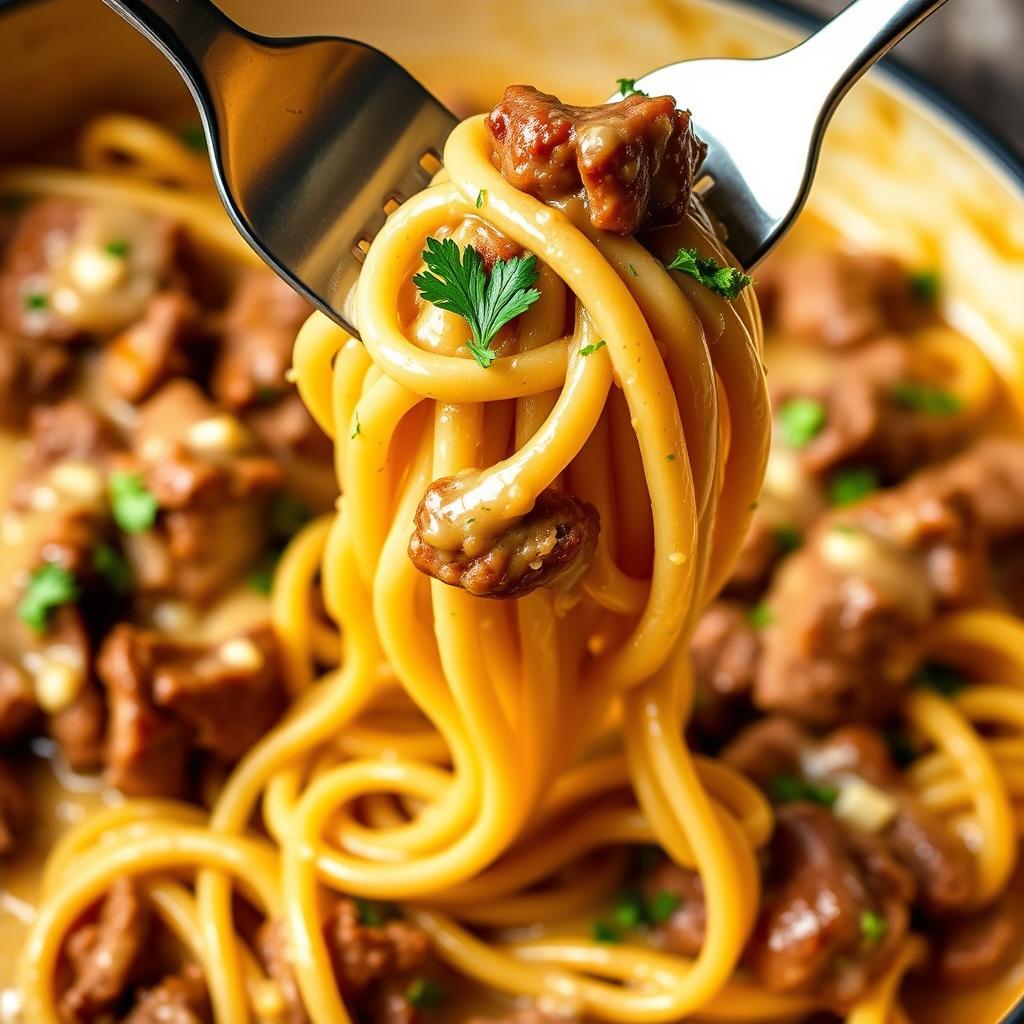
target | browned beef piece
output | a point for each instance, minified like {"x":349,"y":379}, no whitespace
{"x":105,"y":954}
{"x":18,"y":710}
{"x":683,"y":932}
{"x":553,"y":543}
{"x":976,"y":948}
{"x":30,"y":372}
{"x":491,"y":243}
{"x":13,"y":808}
{"x":212,"y":493}
{"x":80,"y":729}
{"x":761,"y":550}
{"x":178,"y":999}
{"x":155,"y":349}
{"x":44,"y":229}
{"x":373,"y":965}
{"x":766,"y":749}
{"x":822,"y":887}
{"x":850,"y":609}
{"x":635,"y":160}
{"x":868,"y":423}
{"x":166,"y":698}
{"x":837,"y":298}
{"x":260,"y":326}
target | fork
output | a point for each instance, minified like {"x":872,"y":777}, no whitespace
{"x":314,"y":140}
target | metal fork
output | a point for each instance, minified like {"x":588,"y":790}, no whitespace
{"x":313,"y":140}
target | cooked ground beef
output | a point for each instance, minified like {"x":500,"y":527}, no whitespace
{"x":634,"y":160}
{"x":178,"y":999}
{"x":30,"y":372}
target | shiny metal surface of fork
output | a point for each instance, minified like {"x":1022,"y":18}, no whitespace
{"x":311,"y":139}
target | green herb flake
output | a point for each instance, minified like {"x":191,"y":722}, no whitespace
{"x":873,"y":928}
{"x":662,"y":906}
{"x":634,"y":271}
{"x":630,"y":911}
{"x":940,"y":678}
{"x":725,"y":281}
{"x":761,"y":615}
{"x":134,"y":505}
{"x":605,"y":932}
{"x":424,"y":994}
{"x":36,"y":301}
{"x":481,"y":198}
{"x":357,"y":429}
{"x":901,"y":748}
{"x":261,"y":576}
{"x":926,"y":398}
{"x":925,"y":286}
{"x":374,"y":913}
{"x":846,"y":528}
{"x":627,"y":87}
{"x":113,"y":567}
{"x":788,"y":539}
{"x":589,"y":350}
{"x":117,"y":247}
{"x":801,"y":420}
{"x":288,"y":515}
{"x":266,"y":394}
{"x":50,"y":587}
{"x":194,"y":137}
{"x":671,"y":456}
{"x":459,"y":283}
{"x":787,"y":789}
{"x":850,"y":485}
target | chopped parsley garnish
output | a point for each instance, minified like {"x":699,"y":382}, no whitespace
{"x":873,"y":927}
{"x":901,"y":748}
{"x":925,"y":286}
{"x":801,"y":420}
{"x":373,"y":913}
{"x":725,"y":281}
{"x":267,"y":393}
{"x":113,"y":567}
{"x":194,"y":137}
{"x":288,"y":515}
{"x":630,"y":911}
{"x":261,"y":578}
{"x":50,"y":586}
{"x":589,"y":350}
{"x":117,"y":247}
{"x":943,"y":679}
{"x":850,"y":485}
{"x":788,"y":539}
{"x":926,"y":398}
{"x":357,"y":429}
{"x":35,"y":301}
{"x":485,"y":301}
{"x":627,"y":87}
{"x":634,"y":271}
{"x":761,"y":615}
{"x":424,"y":994}
{"x":671,"y":456}
{"x":134,"y":505}
{"x":662,"y":906}
{"x":787,"y":789}
{"x":604,"y":932}
{"x":481,"y":198}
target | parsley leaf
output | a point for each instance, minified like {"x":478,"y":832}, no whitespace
{"x":801,"y":420}
{"x":113,"y":567}
{"x":481,"y":198}
{"x":627,"y":87}
{"x":926,"y":398}
{"x":943,"y":679}
{"x":761,"y":615}
{"x":790,"y":788}
{"x":725,"y":281}
{"x":873,"y":927}
{"x":485,"y":301}
{"x":261,"y":576}
{"x":357,"y":429}
{"x":850,"y":485}
{"x":118,"y":247}
{"x":634,"y":271}
{"x":630,"y":911}
{"x":589,"y":350}
{"x":49,"y":587}
{"x":662,"y":906}
{"x":36,"y":301}
{"x":134,"y":505}
{"x":194,"y":137}
{"x":788,"y":539}
{"x":424,"y":993}
{"x":604,"y":932}
{"x":288,"y":515}
{"x":373,"y":913}
{"x":925,"y":286}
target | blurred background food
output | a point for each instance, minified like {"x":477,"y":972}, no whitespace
{"x":971,"y":50}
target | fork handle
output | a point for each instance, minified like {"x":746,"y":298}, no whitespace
{"x":856,"y":38}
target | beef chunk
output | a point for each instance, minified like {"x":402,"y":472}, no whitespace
{"x":104,"y":955}
{"x":766,"y":749}
{"x":851,"y":608}
{"x":166,"y":698}
{"x":553,"y":543}
{"x":154,"y":349}
{"x":272,"y":944}
{"x":974,"y":949}
{"x":634,"y":160}
{"x":823,"y":887}
{"x":13,"y":808}
{"x":18,"y":708}
{"x":260,"y":326}
{"x":837,"y":299}
{"x":30,"y":372}
{"x":492,"y":244}
{"x":178,"y":999}
{"x":80,"y":729}
{"x":683,"y":932}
